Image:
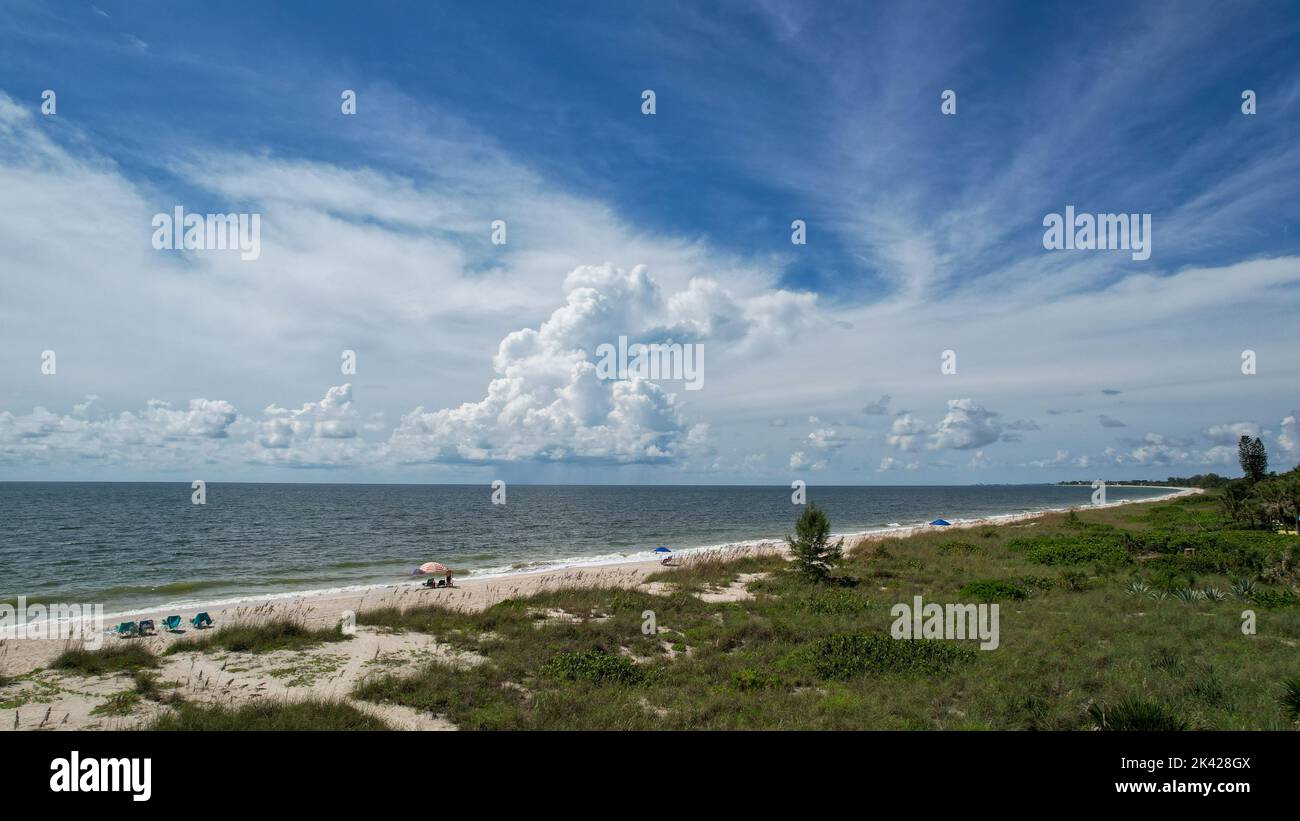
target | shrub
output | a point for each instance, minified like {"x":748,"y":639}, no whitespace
{"x":846,"y":655}
{"x":993,"y":590}
{"x":116,"y":658}
{"x":751,"y":679}
{"x":261,"y":637}
{"x":1131,"y":714}
{"x":1074,"y":580}
{"x":1073,"y":549}
{"x":312,"y":714}
{"x":1275,"y":598}
{"x":118,"y":704}
{"x":957,"y":547}
{"x":594,"y":666}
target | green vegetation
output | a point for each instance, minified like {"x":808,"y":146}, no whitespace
{"x":1253,"y":458}
{"x":993,"y":590}
{"x":1077,"y":643}
{"x":856,"y":654}
{"x":595,"y":666}
{"x":314,"y":714}
{"x":1291,"y":698}
{"x":113,"y":658}
{"x":1135,"y":714}
{"x":118,"y":704}
{"x":279,"y":634}
{"x":811,"y":549}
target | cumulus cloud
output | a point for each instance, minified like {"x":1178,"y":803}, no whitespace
{"x":549,"y":402}
{"x":1231,"y":432}
{"x":206,"y":431}
{"x":966,"y":426}
{"x":1287,"y":437}
{"x":907,"y":432}
{"x":158,"y":434}
{"x":889,"y":463}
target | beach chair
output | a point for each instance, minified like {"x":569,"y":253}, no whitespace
{"x":201,"y":620}
{"x":172,"y":624}
{"x":127,"y":629}
{"x":147,"y":628}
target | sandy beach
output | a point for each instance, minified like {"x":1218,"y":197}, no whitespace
{"x":45,"y":699}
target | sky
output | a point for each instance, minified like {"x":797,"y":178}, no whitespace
{"x":922,"y":333}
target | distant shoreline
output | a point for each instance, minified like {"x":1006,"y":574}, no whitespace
{"x":575,"y":565}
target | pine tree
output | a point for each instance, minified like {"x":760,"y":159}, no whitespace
{"x":1253,"y":458}
{"x":1258,"y":459}
{"x":814,"y":555}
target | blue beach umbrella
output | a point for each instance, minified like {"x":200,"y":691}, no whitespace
{"x":941,"y":522}
{"x":662,"y":549}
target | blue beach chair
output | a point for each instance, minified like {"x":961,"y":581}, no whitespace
{"x":127,"y":630}
{"x":201,"y":621}
{"x":172,"y":624}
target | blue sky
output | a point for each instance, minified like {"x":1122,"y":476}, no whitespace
{"x":924,"y":235}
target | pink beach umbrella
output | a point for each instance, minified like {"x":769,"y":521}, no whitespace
{"x":429,"y":568}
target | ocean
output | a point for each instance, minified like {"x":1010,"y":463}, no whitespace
{"x":145,"y":545}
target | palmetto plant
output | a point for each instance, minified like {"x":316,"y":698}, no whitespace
{"x":1244,"y":588}
{"x":1291,"y":697}
{"x":1188,"y":594}
{"x":1138,"y":588}
{"x":1213,"y":594}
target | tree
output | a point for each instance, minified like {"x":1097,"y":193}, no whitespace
{"x":814,"y":555}
{"x":1253,"y":458}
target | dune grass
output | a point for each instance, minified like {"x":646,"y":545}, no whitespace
{"x":1080,"y":649}
{"x":258,"y":637}
{"x":310,"y":714}
{"x":112,"y":658}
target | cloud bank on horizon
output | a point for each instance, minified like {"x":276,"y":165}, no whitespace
{"x":923,"y":333}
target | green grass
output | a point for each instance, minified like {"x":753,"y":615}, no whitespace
{"x":1091,"y":636}
{"x":313,"y":714}
{"x":278,"y":634}
{"x":113,"y":658}
{"x":849,"y":655}
{"x":118,"y":704}
{"x":1135,"y":714}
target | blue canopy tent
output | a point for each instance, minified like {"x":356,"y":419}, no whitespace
{"x":941,"y":522}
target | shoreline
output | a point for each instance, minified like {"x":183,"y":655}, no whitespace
{"x":326,"y":607}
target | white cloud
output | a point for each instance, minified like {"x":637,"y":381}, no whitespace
{"x":890,"y":463}
{"x":966,"y":426}
{"x":907,"y":432}
{"x":1231,"y":432}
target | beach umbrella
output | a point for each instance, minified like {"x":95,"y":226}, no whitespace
{"x":662,"y":549}
{"x":941,"y":522}
{"x":429,"y":567}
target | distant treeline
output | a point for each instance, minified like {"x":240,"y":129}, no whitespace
{"x":1199,"y":480}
